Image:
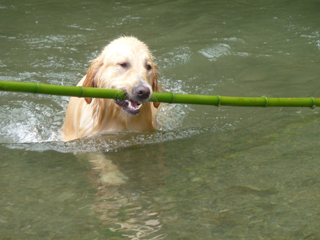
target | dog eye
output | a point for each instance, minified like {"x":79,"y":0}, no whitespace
{"x":124,"y":65}
{"x":149,"y":67}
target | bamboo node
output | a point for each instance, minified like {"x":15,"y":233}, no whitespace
{"x":82,"y":92}
{"x":313,"y":103}
{"x":38,"y":87}
{"x":172,"y":97}
{"x":219,"y":103}
{"x":266,"y":105}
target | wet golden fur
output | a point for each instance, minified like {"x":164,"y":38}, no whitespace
{"x":86,"y":116}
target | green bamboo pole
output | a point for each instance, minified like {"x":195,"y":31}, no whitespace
{"x":159,"y":97}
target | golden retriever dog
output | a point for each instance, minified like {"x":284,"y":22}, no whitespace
{"x":127,"y":64}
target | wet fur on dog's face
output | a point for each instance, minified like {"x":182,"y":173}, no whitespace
{"x":126,"y":64}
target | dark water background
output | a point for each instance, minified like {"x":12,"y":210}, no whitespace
{"x":208,"y":173}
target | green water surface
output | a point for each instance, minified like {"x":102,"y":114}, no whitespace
{"x":208,"y":172}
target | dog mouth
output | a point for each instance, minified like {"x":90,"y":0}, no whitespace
{"x":129,"y":106}
{"x":133,"y":101}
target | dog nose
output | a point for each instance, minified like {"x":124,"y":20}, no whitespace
{"x":142,"y":92}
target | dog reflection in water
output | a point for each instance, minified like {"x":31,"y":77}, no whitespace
{"x":108,"y":172}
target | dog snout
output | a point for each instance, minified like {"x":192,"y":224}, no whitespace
{"x":142,"y":92}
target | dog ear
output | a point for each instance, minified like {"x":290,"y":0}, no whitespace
{"x":155,"y":87}
{"x":90,"y":77}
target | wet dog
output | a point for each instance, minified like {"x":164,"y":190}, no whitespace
{"x":127,"y":64}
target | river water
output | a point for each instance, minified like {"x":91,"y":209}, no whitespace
{"x":208,"y":172}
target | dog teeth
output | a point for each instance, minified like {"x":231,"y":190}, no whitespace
{"x":139,"y":105}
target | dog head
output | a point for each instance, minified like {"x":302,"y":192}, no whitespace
{"x":127,"y":64}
